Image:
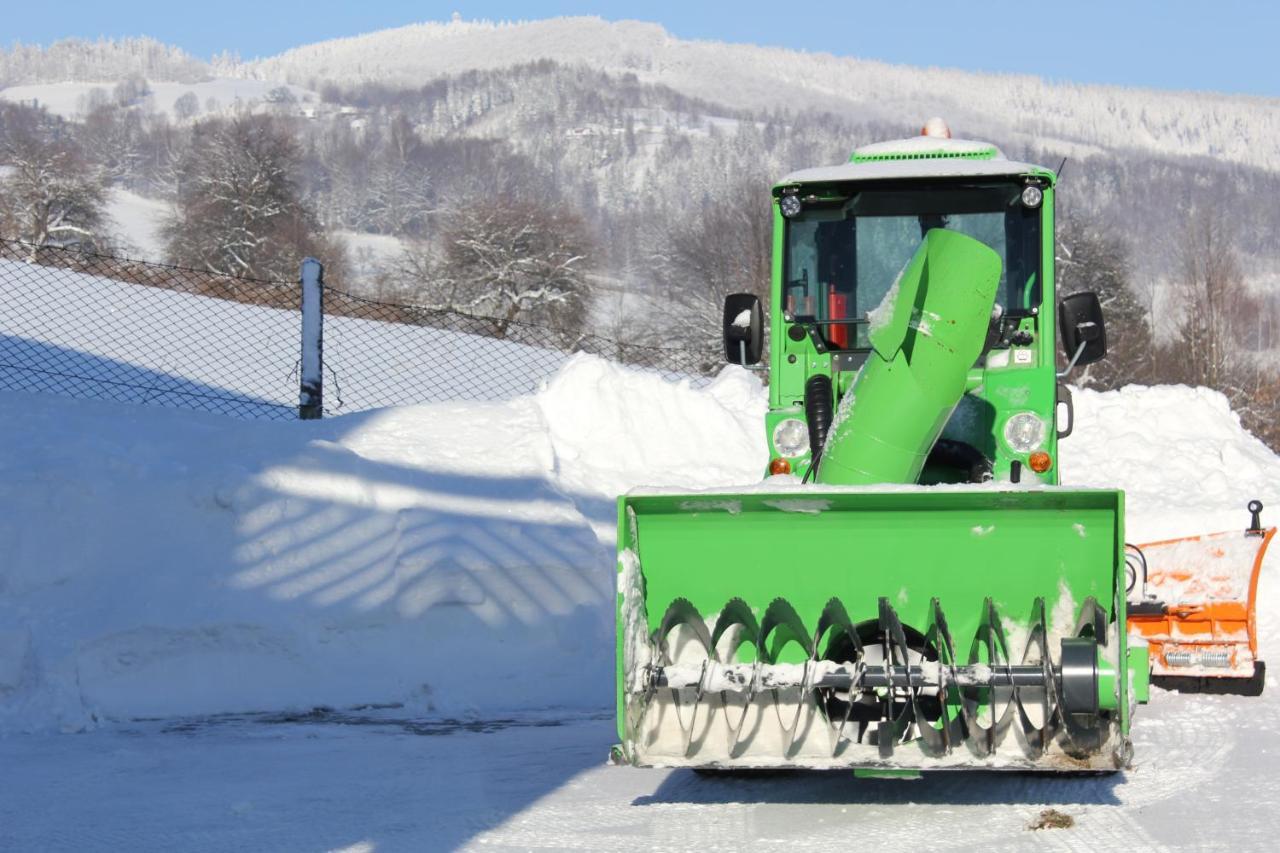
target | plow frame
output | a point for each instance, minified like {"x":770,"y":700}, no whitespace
{"x":1200,"y":624}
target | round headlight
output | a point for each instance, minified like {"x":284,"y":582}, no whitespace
{"x":790,"y":205}
{"x":1024,"y":432}
{"x":1032,"y":195}
{"x":791,"y":438}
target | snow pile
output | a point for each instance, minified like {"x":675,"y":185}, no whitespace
{"x":454,"y":558}
{"x":1180,"y":454}
{"x":157,"y":563}
{"x":614,"y":429}
{"x":163,"y":563}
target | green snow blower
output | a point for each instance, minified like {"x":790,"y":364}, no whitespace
{"x":909,"y":588}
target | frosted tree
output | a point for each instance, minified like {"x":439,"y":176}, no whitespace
{"x":49,"y":195}
{"x":238,"y":210}
{"x":723,"y":248}
{"x":513,"y":261}
{"x":112,"y":138}
{"x":399,"y":195}
{"x":187,"y":106}
{"x":1096,"y":259}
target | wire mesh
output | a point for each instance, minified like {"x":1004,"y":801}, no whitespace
{"x":86,"y":325}
{"x":380,"y":353}
{"x":94,"y":326}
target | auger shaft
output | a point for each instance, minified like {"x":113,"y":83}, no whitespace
{"x":829,"y":675}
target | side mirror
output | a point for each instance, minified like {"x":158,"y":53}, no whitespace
{"x":1084,"y":335}
{"x":743,"y":329}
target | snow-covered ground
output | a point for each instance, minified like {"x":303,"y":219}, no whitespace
{"x":229,"y":566}
{"x":378,"y":782}
{"x":180,"y":592}
{"x":137,"y":219}
{"x":1014,"y":108}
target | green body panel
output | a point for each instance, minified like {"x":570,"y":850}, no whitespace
{"x":1020,"y":379}
{"x":934,"y":328}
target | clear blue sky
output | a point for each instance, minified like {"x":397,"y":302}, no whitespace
{"x":1227,"y":45}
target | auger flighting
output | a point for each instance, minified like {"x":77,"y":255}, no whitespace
{"x":840,"y":683}
{"x":911,"y":589}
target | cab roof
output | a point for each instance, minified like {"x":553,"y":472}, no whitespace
{"x":919,"y":157}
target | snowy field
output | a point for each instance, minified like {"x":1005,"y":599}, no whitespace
{"x":392,"y":630}
{"x":381,"y":783}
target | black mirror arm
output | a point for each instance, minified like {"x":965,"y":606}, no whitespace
{"x":1071,"y":364}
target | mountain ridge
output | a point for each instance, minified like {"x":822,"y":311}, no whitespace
{"x":1012,"y":109}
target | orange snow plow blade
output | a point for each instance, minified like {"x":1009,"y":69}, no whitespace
{"x":1193,"y":601}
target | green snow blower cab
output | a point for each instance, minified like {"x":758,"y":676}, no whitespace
{"x":909,"y":587}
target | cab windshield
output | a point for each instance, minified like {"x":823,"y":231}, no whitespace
{"x":843,"y":252}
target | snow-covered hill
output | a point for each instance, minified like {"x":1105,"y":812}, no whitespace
{"x":1017,"y":109}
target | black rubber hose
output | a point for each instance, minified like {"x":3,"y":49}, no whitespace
{"x":819,"y":405}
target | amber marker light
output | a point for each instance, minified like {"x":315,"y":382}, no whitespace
{"x":1039,"y":461}
{"x":779,"y":466}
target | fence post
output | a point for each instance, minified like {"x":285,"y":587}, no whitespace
{"x":311,"y":394}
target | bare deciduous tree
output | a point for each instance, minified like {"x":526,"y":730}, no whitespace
{"x":187,"y":106}
{"x":511,"y":261}
{"x":131,"y":90}
{"x":1219,"y":320}
{"x":1095,"y":259}
{"x":1217,"y":306}
{"x":700,"y":260}
{"x":50,"y":195}
{"x":238,"y":210}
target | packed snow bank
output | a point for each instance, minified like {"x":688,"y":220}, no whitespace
{"x":614,"y":429}
{"x":1180,"y":454}
{"x":455,"y":558}
{"x":157,"y":563}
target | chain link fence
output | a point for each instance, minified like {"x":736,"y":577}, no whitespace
{"x":87,"y":325}
{"x":379,"y":353}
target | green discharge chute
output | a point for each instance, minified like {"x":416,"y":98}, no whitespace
{"x":925,"y":337}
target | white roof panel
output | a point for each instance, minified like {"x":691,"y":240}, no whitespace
{"x":947,"y":161}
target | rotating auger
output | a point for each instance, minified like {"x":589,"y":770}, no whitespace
{"x":869,"y":690}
